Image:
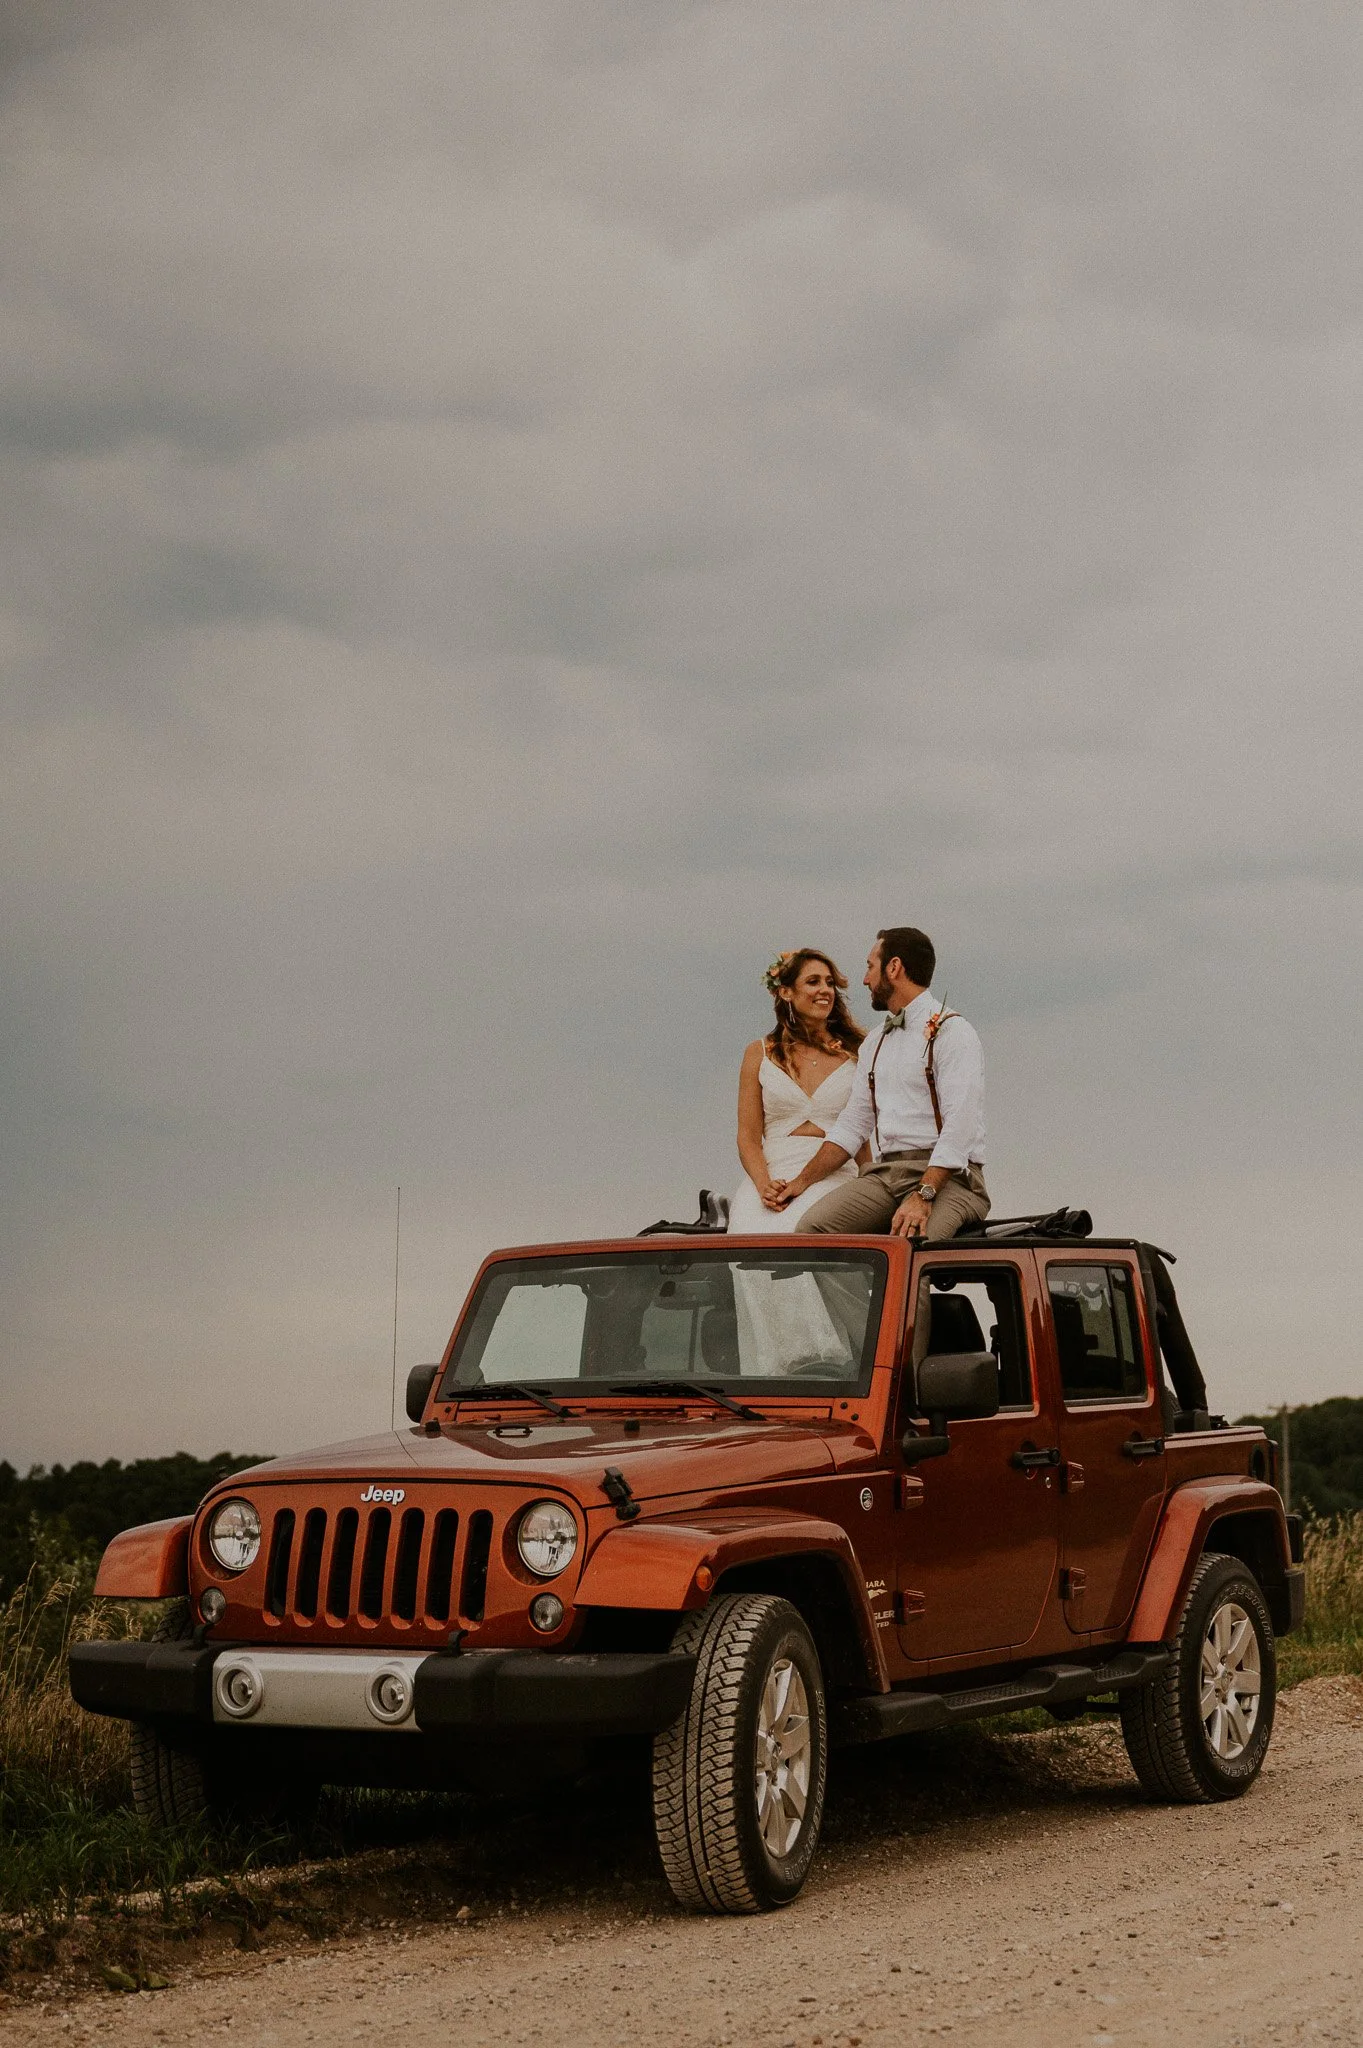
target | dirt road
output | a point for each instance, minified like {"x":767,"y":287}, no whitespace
{"x":993,"y":1891}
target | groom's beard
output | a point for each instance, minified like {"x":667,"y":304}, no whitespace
{"x":880,"y":996}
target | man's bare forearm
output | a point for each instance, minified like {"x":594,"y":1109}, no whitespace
{"x":825,"y":1161}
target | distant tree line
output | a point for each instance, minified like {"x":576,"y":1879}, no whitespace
{"x":71,"y":1511}
{"x":1326,"y":1445}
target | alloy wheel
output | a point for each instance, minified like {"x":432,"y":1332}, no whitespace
{"x":1231,"y":1681}
{"x":784,"y":1758}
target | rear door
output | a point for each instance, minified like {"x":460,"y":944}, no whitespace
{"x":978,"y":1557}
{"x":1111,"y":1433}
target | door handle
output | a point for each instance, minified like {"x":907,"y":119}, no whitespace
{"x":1030,"y":1459}
{"x":1143,"y":1447}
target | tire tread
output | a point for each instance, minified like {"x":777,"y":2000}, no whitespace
{"x":695,"y":1785}
{"x":1154,"y":1722}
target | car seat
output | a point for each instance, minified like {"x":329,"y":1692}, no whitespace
{"x":719,"y":1343}
{"x":1083,"y":1370}
{"x":953,"y":1326}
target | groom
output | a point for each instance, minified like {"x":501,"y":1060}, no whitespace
{"x":918,"y":1099}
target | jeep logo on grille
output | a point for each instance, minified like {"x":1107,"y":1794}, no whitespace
{"x":388,"y":1493}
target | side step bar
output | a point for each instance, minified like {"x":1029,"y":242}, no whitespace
{"x":1045,"y":1685}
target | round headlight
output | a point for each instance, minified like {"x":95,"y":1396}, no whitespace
{"x":234,"y":1535}
{"x":546,"y":1539}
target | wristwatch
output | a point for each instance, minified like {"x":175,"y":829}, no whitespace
{"x":925,"y":1191}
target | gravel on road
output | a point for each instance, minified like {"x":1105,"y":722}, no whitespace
{"x":1019,"y":1890}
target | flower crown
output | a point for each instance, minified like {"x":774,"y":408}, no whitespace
{"x":771,"y":977}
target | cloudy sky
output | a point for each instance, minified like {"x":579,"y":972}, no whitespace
{"x":513,"y":513}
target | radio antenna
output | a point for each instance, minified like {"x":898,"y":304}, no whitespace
{"x":397,"y":1254}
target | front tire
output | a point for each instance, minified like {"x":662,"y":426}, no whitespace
{"x":176,"y":1787}
{"x":739,"y":1779}
{"x":168,"y":1784}
{"x":1202,"y":1730}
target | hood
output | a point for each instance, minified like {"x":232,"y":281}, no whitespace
{"x":667,"y":1454}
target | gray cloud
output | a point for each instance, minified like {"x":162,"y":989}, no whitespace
{"x":510,"y":516}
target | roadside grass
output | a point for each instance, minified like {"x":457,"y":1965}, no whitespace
{"x":69,"y":1837}
{"x":89,"y":1890}
{"x":1331,"y":1641}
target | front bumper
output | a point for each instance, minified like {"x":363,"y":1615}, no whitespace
{"x":475,"y":1692}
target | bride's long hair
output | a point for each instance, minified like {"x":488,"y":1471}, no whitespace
{"x":840,"y":1032}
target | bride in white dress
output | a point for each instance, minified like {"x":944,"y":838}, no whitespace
{"x":792,"y":1088}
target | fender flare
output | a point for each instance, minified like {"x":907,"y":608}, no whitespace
{"x":1189,"y":1514}
{"x":150,"y":1562}
{"x":674,"y":1563}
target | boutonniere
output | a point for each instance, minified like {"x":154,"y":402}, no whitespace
{"x":934,"y":1025}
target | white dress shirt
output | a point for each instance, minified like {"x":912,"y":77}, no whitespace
{"x":907,"y":1123}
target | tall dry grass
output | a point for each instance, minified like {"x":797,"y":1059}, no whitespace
{"x":45,"y":1739}
{"x":67,"y":1831}
{"x":1332,"y":1639}
{"x":69,"y":1836}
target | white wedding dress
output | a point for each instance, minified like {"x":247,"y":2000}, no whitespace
{"x":785,"y":1106}
{"x":784,"y":1322}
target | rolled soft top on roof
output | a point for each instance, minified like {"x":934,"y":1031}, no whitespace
{"x":1176,"y":1346}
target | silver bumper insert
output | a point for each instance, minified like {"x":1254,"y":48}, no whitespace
{"x":356,"y":1689}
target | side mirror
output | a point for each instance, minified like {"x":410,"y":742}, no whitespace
{"x":420,"y":1380}
{"x":956,"y":1386}
{"x":960,"y":1386}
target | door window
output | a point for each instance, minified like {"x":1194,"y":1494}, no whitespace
{"x":1096,"y":1333}
{"x":977,"y":1308}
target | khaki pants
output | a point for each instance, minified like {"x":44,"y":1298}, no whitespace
{"x":869,"y":1202}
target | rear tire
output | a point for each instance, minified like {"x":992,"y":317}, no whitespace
{"x":1201,"y":1731}
{"x":739,"y":1779}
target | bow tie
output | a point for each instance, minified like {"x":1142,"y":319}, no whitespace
{"x":895,"y":1020}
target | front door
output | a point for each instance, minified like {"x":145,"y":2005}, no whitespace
{"x":1111,"y":1434}
{"x":978,"y":1557}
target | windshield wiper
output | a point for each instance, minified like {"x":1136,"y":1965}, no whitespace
{"x":692,"y":1387}
{"x":500,"y":1387}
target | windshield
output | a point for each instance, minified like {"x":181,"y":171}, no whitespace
{"x":624,"y":1319}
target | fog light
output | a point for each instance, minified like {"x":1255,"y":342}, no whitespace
{"x":546,"y":1612}
{"x":212,"y":1604}
{"x":239,"y":1689}
{"x":390,"y":1696}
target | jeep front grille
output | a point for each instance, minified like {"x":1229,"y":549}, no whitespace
{"x":409,"y":1566}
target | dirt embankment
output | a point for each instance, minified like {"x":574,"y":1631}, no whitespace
{"x":979,"y":1890}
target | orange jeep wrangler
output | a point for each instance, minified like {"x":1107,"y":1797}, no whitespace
{"x":746,"y":1499}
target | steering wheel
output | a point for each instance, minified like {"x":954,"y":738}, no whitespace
{"x":817,"y":1369}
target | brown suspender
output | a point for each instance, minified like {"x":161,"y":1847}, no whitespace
{"x":943,"y":1017}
